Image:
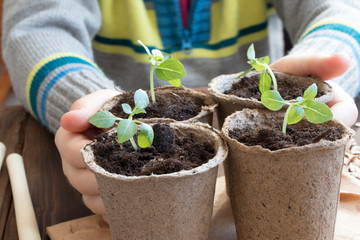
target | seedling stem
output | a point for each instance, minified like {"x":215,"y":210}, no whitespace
{"x":166,"y":69}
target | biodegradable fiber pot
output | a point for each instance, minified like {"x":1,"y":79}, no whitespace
{"x":290,"y":193}
{"x":229,"y":103}
{"x":205,"y":115}
{"x":169,"y":206}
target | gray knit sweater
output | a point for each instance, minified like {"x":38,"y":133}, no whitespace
{"x":60,"y":50}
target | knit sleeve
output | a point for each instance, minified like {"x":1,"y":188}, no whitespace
{"x":325,"y":27}
{"x":47,"y":50}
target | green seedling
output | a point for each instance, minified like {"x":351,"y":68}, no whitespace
{"x":127,"y":128}
{"x":314,"y":111}
{"x":261,"y":65}
{"x":166,"y":69}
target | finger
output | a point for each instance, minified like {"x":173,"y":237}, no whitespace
{"x":76,"y":120}
{"x":69,"y":145}
{"x":325,"y":67}
{"x":339,"y":95}
{"x":342,"y":105}
{"x":81,"y":179}
{"x":344,"y":111}
{"x":94,"y":203}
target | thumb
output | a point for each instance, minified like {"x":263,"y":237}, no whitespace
{"x":76,"y":120}
{"x":322,"y":66}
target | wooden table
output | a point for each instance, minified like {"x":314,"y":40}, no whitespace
{"x":54,"y":200}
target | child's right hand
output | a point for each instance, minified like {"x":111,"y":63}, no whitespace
{"x":325,"y":67}
{"x":71,"y":137}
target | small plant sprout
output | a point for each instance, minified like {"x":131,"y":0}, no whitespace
{"x":261,"y":65}
{"x":314,"y":112}
{"x":127,"y":128}
{"x":166,"y":69}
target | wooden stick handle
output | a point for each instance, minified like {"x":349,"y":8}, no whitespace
{"x":2,"y":153}
{"x":24,"y":211}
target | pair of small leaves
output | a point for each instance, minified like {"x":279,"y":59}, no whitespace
{"x":141,"y":100}
{"x":272,"y":99}
{"x":127,"y":109}
{"x":127,"y":128}
{"x":171,"y":70}
{"x":315,"y":112}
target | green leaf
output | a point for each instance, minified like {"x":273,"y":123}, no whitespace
{"x":141,"y":99}
{"x":317,"y":112}
{"x":300,"y":99}
{"x":126,"y":129}
{"x":244,"y":73}
{"x":296,"y":113}
{"x":126,"y":107}
{"x":251,"y":52}
{"x":170,"y":69}
{"x":264,"y":60}
{"x":252,"y":62}
{"x":310,"y":92}
{"x":265,"y":82}
{"x":146,"y":136}
{"x":175,"y":82}
{"x":139,"y":110}
{"x":259,"y":66}
{"x":103,"y":119}
{"x":272,"y":100}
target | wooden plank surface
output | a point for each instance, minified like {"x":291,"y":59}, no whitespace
{"x":11,"y":122}
{"x":5,"y":84}
{"x":53,"y":198}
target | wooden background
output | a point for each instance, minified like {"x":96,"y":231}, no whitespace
{"x":54,"y":200}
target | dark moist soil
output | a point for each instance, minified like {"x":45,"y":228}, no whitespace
{"x":170,"y":152}
{"x":248,"y":87}
{"x":166,"y":106}
{"x":271,"y":137}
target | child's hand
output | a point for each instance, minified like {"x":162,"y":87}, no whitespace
{"x":326,"y":68}
{"x":71,"y":137}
